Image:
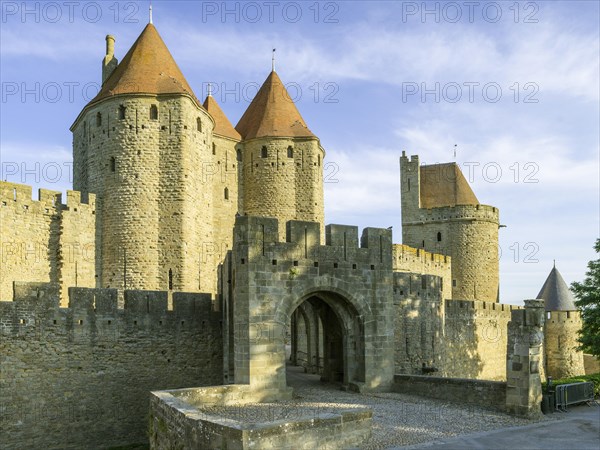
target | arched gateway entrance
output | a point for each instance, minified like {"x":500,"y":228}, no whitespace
{"x":327,"y":338}
{"x":336,"y":298}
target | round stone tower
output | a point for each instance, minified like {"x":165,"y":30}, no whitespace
{"x":563,"y":322}
{"x":139,"y":145}
{"x":441,"y":214}
{"x":282,"y":160}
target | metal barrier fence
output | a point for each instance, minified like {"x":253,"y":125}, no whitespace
{"x":569,"y":394}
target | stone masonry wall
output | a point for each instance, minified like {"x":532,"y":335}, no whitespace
{"x":222,"y":174}
{"x":44,"y":240}
{"x":560,"y":344}
{"x":417,"y":260}
{"x":272,"y":278}
{"x":80,"y":377}
{"x":154,"y":210}
{"x":287,"y":186}
{"x":475,"y":339}
{"x":482,"y":393}
{"x":467,"y":233}
{"x":524,"y":360}
{"x":459,"y":338}
{"x":419,"y":319}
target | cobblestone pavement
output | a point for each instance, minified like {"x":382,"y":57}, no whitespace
{"x":400,"y":419}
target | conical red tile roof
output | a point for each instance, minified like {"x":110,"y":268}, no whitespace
{"x":149,"y":68}
{"x":223,"y":126}
{"x":272,"y":113}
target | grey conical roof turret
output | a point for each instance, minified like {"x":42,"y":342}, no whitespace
{"x":556,"y":294}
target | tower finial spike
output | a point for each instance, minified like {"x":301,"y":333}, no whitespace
{"x":150,"y":11}
{"x":555,"y":264}
{"x":273,"y":61}
{"x":210,"y":89}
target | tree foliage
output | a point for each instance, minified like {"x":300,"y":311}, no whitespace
{"x":588,"y":300}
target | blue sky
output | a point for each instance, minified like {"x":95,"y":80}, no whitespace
{"x":514,"y":85}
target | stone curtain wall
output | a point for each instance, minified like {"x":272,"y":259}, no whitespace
{"x":419,"y":319}
{"x":475,"y":339}
{"x":482,"y":393}
{"x":459,"y":338}
{"x":44,"y":240}
{"x":80,"y":377}
{"x":417,"y":260}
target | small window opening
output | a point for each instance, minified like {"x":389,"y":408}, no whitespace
{"x":263,"y":152}
{"x":439,"y":236}
{"x":453,"y":283}
{"x":226,"y":193}
{"x":214,"y":148}
{"x":99,"y":119}
{"x":113,"y":164}
{"x":199,"y":126}
{"x":153,"y":112}
{"x":290,"y":152}
{"x":121,"y":112}
{"x":170,"y":279}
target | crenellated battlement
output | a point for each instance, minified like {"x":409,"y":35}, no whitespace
{"x":468,"y":307}
{"x":21,"y":196}
{"x":35,"y":312}
{"x":456,"y":213}
{"x":415,"y":285}
{"x":564,"y":317}
{"x":258,"y":238}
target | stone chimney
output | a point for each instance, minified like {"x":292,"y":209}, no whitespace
{"x":109,"y":63}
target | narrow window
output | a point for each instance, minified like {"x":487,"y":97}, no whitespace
{"x":214,"y":147}
{"x":439,"y":236}
{"x":319,"y":160}
{"x":113,"y":164}
{"x":263,"y":152}
{"x":423,"y":282}
{"x":423,"y":244}
{"x":409,"y":185}
{"x":226,"y":193}
{"x":290,"y":152}
{"x":170,"y":279}
{"x":99,"y":119}
{"x":153,"y":112}
{"x":568,"y":314}
{"x":198,"y":124}
{"x":453,"y":283}
{"x":121,"y":112}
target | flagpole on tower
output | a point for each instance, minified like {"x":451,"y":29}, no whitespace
{"x":273,"y":61}
{"x":150,"y":11}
